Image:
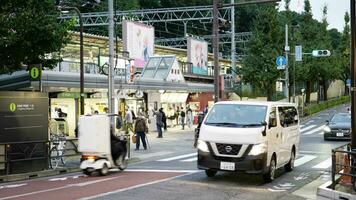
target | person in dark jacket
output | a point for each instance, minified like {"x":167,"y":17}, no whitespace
{"x":182,"y":117}
{"x":118,"y":147}
{"x":141,"y":129}
{"x":164,"y":119}
{"x":159,"y":123}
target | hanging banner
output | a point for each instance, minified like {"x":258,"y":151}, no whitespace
{"x":198,"y":56}
{"x":138,"y":41}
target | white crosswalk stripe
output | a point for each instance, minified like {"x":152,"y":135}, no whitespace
{"x":316,"y":130}
{"x":307,"y":128}
{"x":303,"y":159}
{"x":178,"y":157}
{"x":190,"y":159}
{"x":323,"y":165}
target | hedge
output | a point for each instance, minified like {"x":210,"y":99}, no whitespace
{"x":315,"y":108}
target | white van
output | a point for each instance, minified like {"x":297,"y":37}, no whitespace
{"x":250,"y":137}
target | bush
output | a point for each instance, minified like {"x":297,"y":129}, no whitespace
{"x":315,"y":108}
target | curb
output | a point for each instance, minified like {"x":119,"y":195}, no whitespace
{"x":325,"y":193}
{"x":47,"y":173}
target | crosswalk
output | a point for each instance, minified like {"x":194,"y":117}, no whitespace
{"x":311,"y":129}
{"x":302,"y":159}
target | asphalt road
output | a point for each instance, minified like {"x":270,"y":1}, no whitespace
{"x":172,"y":174}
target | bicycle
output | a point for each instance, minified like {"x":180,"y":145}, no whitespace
{"x":57,"y":151}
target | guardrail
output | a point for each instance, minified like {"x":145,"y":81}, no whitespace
{"x":343,"y":166}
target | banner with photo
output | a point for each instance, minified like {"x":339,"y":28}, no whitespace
{"x":198,"y":56}
{"x":138,"y":41}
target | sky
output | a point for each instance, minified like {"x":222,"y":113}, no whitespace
{"x":336,"y":10}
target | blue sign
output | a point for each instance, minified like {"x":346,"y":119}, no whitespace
{"x":281,"y":61}
{"x":348,"y":82}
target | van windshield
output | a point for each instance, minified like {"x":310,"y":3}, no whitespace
{"x":236,"y":115}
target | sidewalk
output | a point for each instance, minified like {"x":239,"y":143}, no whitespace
{"x":171,"y":142}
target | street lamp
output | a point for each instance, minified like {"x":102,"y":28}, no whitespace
{"x":216,"y":6}
{"x":81,"y":56}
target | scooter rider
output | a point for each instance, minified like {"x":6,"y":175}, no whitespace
{"x":118,"y":147}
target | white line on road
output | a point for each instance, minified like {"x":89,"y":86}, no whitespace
{"x":136,"y":186}
{"x":190,"y":159}
{"x":162,"y":170}
{"x":303,"y":160}
{"x":178,"y":157}
{"x":307,"y":128}
{"x":323,"y":165}
{"x":317,"y":130}
{"x":59,"y":188}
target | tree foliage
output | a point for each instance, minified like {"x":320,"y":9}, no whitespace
{"x":264,"y":46}
{"x":29,"y":31}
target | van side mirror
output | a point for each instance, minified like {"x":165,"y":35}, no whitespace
{"x":264,"y":124}
{"x":327,"y":121}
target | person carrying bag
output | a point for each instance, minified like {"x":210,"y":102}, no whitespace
{"x":141,"y":129}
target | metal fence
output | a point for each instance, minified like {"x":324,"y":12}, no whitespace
{"x":343,"y":166}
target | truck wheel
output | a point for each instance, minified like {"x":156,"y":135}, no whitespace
{"x":210,"y":173}
{"x":105,"y":170}
{"x":290,"y":166}
{"x":269,"y":176}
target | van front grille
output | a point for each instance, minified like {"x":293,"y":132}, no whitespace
{"x":228,"y":149}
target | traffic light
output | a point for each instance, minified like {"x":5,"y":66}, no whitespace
{"x":321,"y":53}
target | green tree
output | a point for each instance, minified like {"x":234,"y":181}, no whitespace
{"x":344,"y":50}
{"x":309,"y":29}
{"x":29,"y":32}
{"x":264,"y":46}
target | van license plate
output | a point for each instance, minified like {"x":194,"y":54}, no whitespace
{"x":227,"y":166}
{"x":339,"y":134}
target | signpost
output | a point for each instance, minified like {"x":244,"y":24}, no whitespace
{"x":298,"y":54}
{"x":281,"y":62}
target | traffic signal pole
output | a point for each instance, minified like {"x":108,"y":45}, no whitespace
{"x":353,"y":76}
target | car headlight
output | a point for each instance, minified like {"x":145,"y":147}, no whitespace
{"x":327,"y":129}
{"x":258,"y":149}
{"x":202,"y":146}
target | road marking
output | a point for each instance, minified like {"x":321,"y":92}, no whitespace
{"x":59,"y":188}
{"x":12,"y":186}
{"x":160,"y":153}
{"x":303,"y":160}
{"x":314,"y":130}
{"x":190,"y":159}
{"x":178,"y":157}
{"x":307,"y":128}
{"x":314,"y":152}
{"x":323,"y":165}
{"x":136,"y":186}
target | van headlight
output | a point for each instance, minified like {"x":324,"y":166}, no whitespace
{"x":258,"y":149}
{"x":203,"y":146}
{"x":327,"y":129}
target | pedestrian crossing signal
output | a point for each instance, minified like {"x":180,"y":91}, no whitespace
{"x":321,"y":53}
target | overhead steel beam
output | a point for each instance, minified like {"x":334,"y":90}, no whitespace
{"x":181,"y":42}
{"x":151,"y":16}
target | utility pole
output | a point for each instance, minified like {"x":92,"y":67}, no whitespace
{"x":216,"y":50}
{"x":111,"y":61}
{"x":233,"y":45}
{"x":353,"y":76}
{"x":286,"y":48}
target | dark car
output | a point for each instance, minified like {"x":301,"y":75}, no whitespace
{"x":339,"y":127}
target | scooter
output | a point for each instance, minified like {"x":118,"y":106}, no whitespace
{"x":95,"y":145}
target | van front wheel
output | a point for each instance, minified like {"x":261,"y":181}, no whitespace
{"x":210,"y":173}
{"x":269,"y":176}
{"x":290,"y":166}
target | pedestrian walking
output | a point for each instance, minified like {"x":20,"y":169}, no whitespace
{"x":159,"y":123}
{"x":182,"y":117}
{"x":206,"y":109}
{"x":119,"y":120}
{"x":189,"y":117}
{"x":164,"y":119}
{"x":141,"y":129}
{"x":177,"y":116}
{"x":128,"y":121}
